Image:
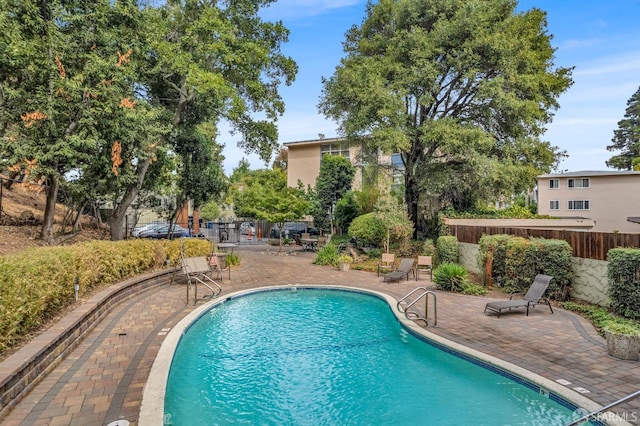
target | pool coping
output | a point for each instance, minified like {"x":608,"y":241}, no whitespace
{"x":152,"y":406}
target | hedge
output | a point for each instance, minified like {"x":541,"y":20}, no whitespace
{"x":448,"y":251}
{"x":518,"y":260}
{"x":497,"y":245}
{"x":37,"y":283}
{"x":623,"y":273}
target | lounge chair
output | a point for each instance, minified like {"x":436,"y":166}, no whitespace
{"x":386,"y":263}
{"x":404,"y":269}
{"x":533,"y":297}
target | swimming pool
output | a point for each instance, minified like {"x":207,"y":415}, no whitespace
{"x":335,"y":357}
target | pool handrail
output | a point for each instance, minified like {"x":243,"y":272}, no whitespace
{"x":595,"y":413}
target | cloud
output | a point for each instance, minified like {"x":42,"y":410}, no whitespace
{"x":624,"y":63}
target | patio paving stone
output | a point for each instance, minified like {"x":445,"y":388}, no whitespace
{"x":103,"y":378}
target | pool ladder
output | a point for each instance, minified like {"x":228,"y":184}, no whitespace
{"x":408,"y":306}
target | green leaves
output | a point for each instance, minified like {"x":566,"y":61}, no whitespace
{"x":626,"y":138}
{"x":451,"y":85}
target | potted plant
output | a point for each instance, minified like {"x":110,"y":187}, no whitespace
{"x":344,"y":262}
{"x":623,"y":340}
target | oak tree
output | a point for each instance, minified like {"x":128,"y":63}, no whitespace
{"x":461,"y":89}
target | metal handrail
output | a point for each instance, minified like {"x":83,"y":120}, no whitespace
{"x":425,"y":294}
{"x":399,"y":306}
{"x":600,"y":410}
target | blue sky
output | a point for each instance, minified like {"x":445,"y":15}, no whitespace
{"x":601,"y":39}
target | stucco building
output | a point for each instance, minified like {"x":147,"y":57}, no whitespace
{"x":610,"y":198}
{"x":304,"y":159}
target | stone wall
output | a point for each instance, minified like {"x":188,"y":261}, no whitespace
{"x":590,"y":281}
{"x":589,"y":275}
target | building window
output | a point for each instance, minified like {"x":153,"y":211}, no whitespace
{"x":578,"y":183}
{"x":554,"y":183}
{"x":340,"y":148}
{"x":554,"y":205}
{"x":578,"y":205}
{"x":396,"y":161}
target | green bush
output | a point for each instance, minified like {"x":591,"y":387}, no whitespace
{"x":428,"y":248}
{"x":447,"y":249}
{"x":602,"y":319}
{"x":450,"y":277}
{"x":327,"y":255}
{"x":38,"y":283}
{"x":623,"y":273}
{"x":525,"y":258}
{"x":497,"y":245}
{"x":368,"y":230}
{"x":346,"y":210}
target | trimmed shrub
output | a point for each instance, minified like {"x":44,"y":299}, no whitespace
{"x":497,"y":245}
{"x":525,"y":258}
{"x":448,"y":252}
{"x":623,"y":273}
{"x":38,"y":283}
{"x":368,"y":230}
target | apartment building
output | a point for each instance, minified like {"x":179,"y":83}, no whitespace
{"x":610,"y":198}
{"x":304,"y":159}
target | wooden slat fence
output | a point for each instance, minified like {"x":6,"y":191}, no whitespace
{"x":588,"y":245}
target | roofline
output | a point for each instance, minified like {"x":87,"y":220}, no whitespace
{"x":591,"y":173}
{"x":314,"y":141}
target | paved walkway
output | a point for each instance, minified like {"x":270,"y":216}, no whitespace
{"x":103,"y":379}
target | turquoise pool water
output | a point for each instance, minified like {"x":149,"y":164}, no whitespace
{"x":325,"y":357}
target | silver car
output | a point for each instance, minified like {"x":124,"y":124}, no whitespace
{"x":246,"y":226}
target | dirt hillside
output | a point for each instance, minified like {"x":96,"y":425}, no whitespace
{"x":21,"y":214}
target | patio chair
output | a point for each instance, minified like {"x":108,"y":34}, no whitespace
{"x":404,"y":269}
{"x":196,"y":269}
{"x":533,"y":297}
{"x":218,"y":264}
{"x":322,"y":241}
{"x":424,"y":264}
{"x":386,"y":263}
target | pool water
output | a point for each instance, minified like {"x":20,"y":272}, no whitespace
{"x":326,"y":357}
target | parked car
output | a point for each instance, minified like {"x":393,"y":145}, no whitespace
{"x":293,"y":230}
{"x":245,"y":226}
{"x":135,"y":232}
{"x":162,"y":231}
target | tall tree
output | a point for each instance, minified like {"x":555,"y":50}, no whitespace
{"x":68,"y":74}
{"x":626,"y":138}
{"x":457,"y":87}
{"x":218,"y":60}
{"x":63,"y":79}
{"x":333,"y":182}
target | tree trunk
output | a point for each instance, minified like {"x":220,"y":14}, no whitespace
{"x":46,"y":233}
{"x":78,"y":218}
{"x":116,"y":220}
{"x":412,"y":198}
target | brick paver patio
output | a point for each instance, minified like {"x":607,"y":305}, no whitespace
{"x":102,"y":380}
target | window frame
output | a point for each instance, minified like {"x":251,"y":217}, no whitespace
{"x":586,"y":204}
{"x":335,"y":148}
{"x":553,"y":203}
{"x":557,"y":183}
{"x":571,"y":183}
